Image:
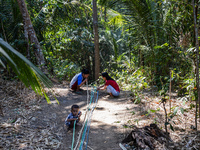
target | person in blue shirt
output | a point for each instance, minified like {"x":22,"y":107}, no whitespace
{"x":74,"y":115}
{"x":79,"y":79}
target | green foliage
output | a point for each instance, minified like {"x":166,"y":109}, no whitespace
{"x":117,"y":122}
{"x":139,"y":41}
{"x":128,"y":76}
{"x":146,"y":31}
{"x":65,"y":69}
{"x":175,"y":110}
{"x":172,"y":115}
{"x":155,"y":121}
{"x":189,"y":86}
{"x":137,"y":121}
{"x":192,"y":106}
{"x":151,"y":111}
{"x":133,"y":112}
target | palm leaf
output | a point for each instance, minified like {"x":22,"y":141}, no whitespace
{"x":26,"y":71}
{"x":115,"y":18}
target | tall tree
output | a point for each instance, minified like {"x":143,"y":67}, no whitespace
{"x":96,"y":40}
{"x":30,"y":32}
{"x":197,"y":59}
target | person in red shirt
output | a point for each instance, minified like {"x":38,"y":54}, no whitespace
{"x":111,"y":85}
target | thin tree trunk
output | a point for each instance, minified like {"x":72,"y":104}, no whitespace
{"x":105,"y":15}
{"x":31,"y":32}
{"x":138,"y":57}
{"x":165,"y":117}
{"x":96,"y":40}
{"x":170,"y":90}
{"x":129,"y":46}
{"x":197,"y":61}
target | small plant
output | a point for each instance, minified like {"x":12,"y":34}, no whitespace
{"x":163,"y":100}
{"x":151,"y":111}
{"x":189,"y":85}
{"x":155,"y":121}
{"x":117,"y":121}
{"x":137,"y":121}
{"x":132,"y":112}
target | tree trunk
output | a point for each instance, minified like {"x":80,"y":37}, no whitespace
{"x":149,"y":137}
{"x":96,"y":40}
{"x":28,"y":27}
{"x":197,"y":60}
{"x":105,"y":15}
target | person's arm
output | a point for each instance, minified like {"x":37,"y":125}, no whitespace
{"x":100,"y":87}
{"x":82,"y":83}
{"x":79,"y":116}
{"x":72,"y":119}
{"x":103,"y":87}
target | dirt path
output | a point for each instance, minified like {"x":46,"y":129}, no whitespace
{"x":106,"y":131}
{"x":111,"y":114}
{"x":29,"y":123}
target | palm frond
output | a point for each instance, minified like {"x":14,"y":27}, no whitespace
{"x":115,"y":18}
{"x":1,"y":62}
{"x":26,"y":71}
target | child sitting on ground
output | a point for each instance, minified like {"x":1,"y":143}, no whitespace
{"x":74,"y":115}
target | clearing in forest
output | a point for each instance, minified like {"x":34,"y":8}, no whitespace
{"x":29,"y":123}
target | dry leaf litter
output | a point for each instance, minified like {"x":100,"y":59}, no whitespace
{"x":19,"y":129}
{"x":184,"y":136}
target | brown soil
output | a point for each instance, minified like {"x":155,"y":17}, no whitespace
{"x":106,"y":130}
{"x":31,"y":123}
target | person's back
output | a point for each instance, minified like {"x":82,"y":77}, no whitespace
{"x":79,"y":79}
{"x":75,"y":79}
{"x":113,"y":83}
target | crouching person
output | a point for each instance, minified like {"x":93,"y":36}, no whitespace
{"x":110,"y":85}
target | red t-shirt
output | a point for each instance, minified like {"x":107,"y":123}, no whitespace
{"x":113,"y":83}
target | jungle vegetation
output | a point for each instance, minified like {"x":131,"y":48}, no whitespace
{"x":141,"y":43}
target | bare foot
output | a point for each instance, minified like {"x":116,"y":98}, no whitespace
{"x":111,"y":95}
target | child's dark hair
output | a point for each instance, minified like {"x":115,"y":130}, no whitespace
{"x":85,"y":71}
{"x":105,"y":74}
{"x":74,"y":106}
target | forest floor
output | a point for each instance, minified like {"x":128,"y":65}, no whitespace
{"x":28,"y":122}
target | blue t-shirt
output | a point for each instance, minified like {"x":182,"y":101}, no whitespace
{"x":77,"y":78}
{"x":80,"y":79}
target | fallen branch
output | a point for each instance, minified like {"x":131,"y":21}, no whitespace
{"x":148,"y":137}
